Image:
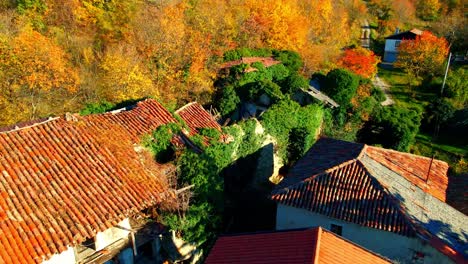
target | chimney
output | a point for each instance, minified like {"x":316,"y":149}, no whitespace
{"x":397,"y":30}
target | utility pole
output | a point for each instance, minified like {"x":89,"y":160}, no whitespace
{"x":445,"y":77}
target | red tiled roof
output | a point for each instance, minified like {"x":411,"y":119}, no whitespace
{"x":428,"y":174}
{"x":364,"y":184}
{"x":349,"y":193}
{"x":63,"y":181}
{"x":141,"y":119}
{"x":195,"y":116}
{"x":295,"y":246}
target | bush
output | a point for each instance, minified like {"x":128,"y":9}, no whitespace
{"x":438,"y":113}
{"x":97,"y":108}
{"x":457,"y":86}
{"x":284,"y":117}
{"x":255,"y":90}
{"x":391,"y":127}
{"x":159,"y":142}
{"x":291,"y":59}
{"x":341,"y":85}
{"x":229,"y":101}
{"x":293,"y":83}
{"x":378,"y":94}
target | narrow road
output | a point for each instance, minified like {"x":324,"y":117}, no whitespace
{"x":377,"y":82}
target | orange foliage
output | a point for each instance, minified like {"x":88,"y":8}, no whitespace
{"x":34,"y":71}
{"x":360,"y":61}
{"x":424,"y":55}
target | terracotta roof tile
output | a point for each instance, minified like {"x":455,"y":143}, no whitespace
{"x":63,"y":181}
{"x":195,"y":116}
{"x":377,"y":188}
{"x":314,"y":245}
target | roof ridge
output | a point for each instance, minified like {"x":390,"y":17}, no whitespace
{"x":186,"y":106}
{"x":404,"y":153}
{"x":392,"y":199}
{"x":18,"y":128}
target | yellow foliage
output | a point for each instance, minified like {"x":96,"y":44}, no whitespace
{"x":34,"y":70}
{"x":123,"y":79}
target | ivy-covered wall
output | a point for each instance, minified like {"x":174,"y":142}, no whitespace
{"x":272,"y":141}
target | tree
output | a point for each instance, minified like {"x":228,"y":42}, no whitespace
{"x":122,"y":78}
{"x":341,"y":86}
{"x":424,"y":55}
{"x":438,"y":113}
{"x":361,"y":61}
{"x":457,"y":86}
{"x":392,"y":127}
{"x":428,"y":9}
{"x":37,"y":78}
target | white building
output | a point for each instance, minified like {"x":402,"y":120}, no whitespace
{"x":390,"y":202}
{"x":392,"y":42}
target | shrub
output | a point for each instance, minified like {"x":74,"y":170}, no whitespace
{"x":378,"y":94}
{"x":291,"y":59}
{"x":341,"y":85}
{"x":159,"y":142}
{"x":97,"y":108}
{"x":438,"y":112}
{"x":391,"y":127}
{"x":293,"y":83}
{"x":229,"y":101}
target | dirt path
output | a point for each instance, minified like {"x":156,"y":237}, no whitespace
{"x":385,"y":88}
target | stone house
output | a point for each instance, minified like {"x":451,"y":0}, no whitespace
{"x":73,"y":188}
{"x":390,"y":202}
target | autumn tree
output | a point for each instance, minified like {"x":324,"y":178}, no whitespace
{"x":428,"y":9}
{"x":37,"y":78}
{"x":123,"y":78}
{"x":361,"y":61}
{"x":424,"y":55}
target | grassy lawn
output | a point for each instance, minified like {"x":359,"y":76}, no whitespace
{"x":448,"y":146}
{"x":404,"y":96}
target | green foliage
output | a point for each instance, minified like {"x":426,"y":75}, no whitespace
{"x":392,"y":127}
{"x":278,"y":72}
{"x":255,"y":90}
{"x":210,"y":133}
{"x":97,"y":108}
{"x":341,"y":86}
{"x":378,"y":94}
{"x":237,"y":54}
{"x":24,"y":6}
{"x":291,"y":59}
{"x":251,"y":141}
{"x":159,"y":142}
{"x":293,"y":83}
{"x":457,"y":86}
{"x":438,"y":112}
{"x":229,"y":100}
{"x":287,"y":116}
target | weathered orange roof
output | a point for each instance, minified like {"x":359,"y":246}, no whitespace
{"x":196,"y":117}
{"x":428,"y":174}
{"x":315,"y":245}
{"x":138,"y":120}
{"x":62,"y":180}
{"x":378,"y":188}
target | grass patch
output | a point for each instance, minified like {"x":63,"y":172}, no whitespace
{"x":449,"y":146}
{"x":405,"y":96}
